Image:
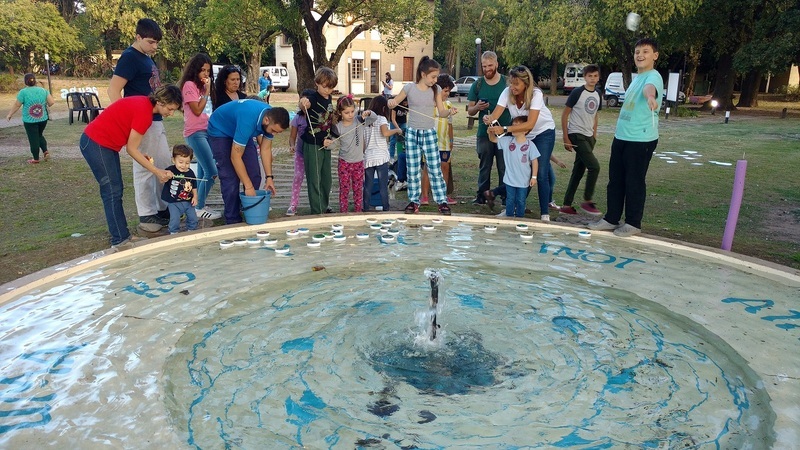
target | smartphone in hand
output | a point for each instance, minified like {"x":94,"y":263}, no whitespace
{"x":484,"y":100}
{"x":495,"y":123}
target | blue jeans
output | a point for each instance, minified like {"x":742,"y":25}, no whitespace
{"x":515,"y":201}
{"x":392,"y":141}
{"x":545,"y":141}
{"x":383,"y":182}
{"x":206,"y":167}
{"x":176,"y":210}
{"x":105,"y":166}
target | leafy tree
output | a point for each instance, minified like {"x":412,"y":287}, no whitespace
{"x":29,"y":29}
{"x":223,"y":24}
{"x":774,"y":47}
{"x":301,"y":20}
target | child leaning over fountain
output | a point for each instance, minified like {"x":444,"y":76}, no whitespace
{"x":180,"y":193}
{"x":521,"y":157}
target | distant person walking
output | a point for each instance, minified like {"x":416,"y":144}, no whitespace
{"x":388,"y":84}
{"x":483,"y":97}
{"x":137,"y":74}
{"x":34,"y":101}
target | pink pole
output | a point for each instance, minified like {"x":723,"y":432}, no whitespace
{"x":736,"y":203}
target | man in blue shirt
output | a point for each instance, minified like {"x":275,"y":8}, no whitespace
{"x":233,"y":130}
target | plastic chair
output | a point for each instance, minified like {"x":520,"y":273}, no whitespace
{"x":363,"y":104}
{"x":92,"y":104}
{"x":75,"y":104}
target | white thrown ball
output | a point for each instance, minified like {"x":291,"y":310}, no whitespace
{"x":632,"y":21}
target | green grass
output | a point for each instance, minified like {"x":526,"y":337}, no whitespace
{"x":45,"y":204}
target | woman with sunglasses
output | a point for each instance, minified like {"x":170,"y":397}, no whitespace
{"x":524,"y":98}
{"x":227,"y":86}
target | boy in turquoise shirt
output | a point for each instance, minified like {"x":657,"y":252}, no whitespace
{"x":634,"y":142}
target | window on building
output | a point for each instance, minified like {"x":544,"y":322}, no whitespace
{"x":357,"y":69}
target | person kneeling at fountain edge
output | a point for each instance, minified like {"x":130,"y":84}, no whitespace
{"x":522,"y":163}
{"x":231,"y":132}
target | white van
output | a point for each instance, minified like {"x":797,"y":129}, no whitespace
{"x":573,"y":76}
{"x":279,"y":76}
{"x":614,"y":92}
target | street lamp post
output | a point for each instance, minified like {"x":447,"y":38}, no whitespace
{"x":349,"y":75}
{"x":47,"y":63}
{"x":478,"y":56}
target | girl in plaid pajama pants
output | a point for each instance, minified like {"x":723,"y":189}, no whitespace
{"x":421,"y":140}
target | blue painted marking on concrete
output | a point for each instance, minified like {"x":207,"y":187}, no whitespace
{"x":302,"y":344}
{"x":470,"y":301}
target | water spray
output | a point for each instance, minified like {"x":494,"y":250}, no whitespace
{"x":434,"y":276}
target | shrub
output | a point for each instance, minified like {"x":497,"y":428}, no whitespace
{"x":683,"y":111}
{"x":9,"y":83}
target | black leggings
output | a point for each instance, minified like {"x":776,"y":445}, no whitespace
{"x":35,"y":132}
{"x":627,"y":189}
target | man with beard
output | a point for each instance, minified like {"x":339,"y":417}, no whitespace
{"x":483,"y":96}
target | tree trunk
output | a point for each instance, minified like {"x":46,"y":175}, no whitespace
{"x":554,"y":77}
{"x":749,"y":96}
{"x":253,"y":70}
{"x":723,"y":85}
{"x":693,"y":58}
{"x":304,"y":65}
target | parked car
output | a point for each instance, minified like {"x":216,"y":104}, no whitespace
{"x":217,"y":67}
{"x":464,"y":84}
{"x":279,"y":76}
{"x":573,"y":76}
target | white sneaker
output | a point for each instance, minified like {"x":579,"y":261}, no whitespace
{"x":545,"y":217}
{"x":626,"y":230}
{"x":602,"y":225}
{"x":502,"y":213}
{"x":205,"y":213}
{"x":291,"y":211}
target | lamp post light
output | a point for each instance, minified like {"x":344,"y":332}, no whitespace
{"x":47,"y":63}
{"x":714,"y":105}
{"x":477,"y":56}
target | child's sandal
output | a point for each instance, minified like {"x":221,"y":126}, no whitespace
{"x":412,"y":208}
{"x":444,"y":209}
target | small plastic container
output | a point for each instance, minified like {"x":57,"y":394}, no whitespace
{"x":269,"y":242}
{"x":584,"y":234}
{"x":337,"y":227}
{"x":303,"y":230}
{"x":262,"y":234}
{"x":362,"y":236}
{"x":375,"y":226}
{"x":402,"y":219}
{"x":339,"y":238}
{"x":318,"y":237}
{"x":328,"y":235}
{"x":225,"y":243}
{"x":427,"y":227}
{"x":522,"y":227}
{"x":283,"y":250}
{"x":490,"y":228}
{"x":313,"y":243}
{"x":387,"y":238}
{"x":437,"y":220}
{"x":292,"y":232}
{"x":240,"y":241}
{"x":526,"y":236}
{"x":253,"y":242}
{"x":371,"y":220}
{"x":393,"y":231}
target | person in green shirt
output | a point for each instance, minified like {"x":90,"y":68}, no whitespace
{"x":34,"y":101}
{"x":634,"y":142}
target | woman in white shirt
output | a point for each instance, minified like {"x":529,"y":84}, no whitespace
{"x":524,"y":98}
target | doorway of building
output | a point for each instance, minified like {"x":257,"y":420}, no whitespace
{"x":408,"y":68}
{"x":374,"y":83}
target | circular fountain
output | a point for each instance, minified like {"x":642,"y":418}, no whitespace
{"x":555,"y":341}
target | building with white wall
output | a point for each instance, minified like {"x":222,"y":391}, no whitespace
{"x":366,"y":60}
